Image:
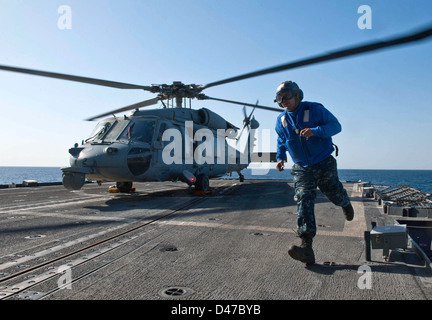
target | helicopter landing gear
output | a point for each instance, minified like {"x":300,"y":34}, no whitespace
{"x":125,"y":186}
{"x":202,"y":185}
{"x":241,"y":176}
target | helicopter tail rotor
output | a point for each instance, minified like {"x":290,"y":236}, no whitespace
{"x":248,"y":121}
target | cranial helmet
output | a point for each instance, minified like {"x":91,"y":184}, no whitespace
{"x":288,"y":89}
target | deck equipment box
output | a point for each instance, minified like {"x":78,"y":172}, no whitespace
{"x":387,"y":237}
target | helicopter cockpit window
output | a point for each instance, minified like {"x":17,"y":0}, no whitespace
{"x":116,"y":130}
{"x":100,"y":130}
{"x":139,"y":131}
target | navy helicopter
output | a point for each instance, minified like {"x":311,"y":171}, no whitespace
{"x":139,"y":146}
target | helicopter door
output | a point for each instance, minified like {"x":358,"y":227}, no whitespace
{"x":159,"y":144}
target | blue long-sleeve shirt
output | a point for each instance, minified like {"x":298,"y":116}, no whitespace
{"x":304,"y":152}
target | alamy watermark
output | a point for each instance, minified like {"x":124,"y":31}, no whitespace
{"x":65,"y":20}
{"x":65,"y":280}
{"x":365,"y":280}
{"x":365,"y":20}
{"x":202,"y":147}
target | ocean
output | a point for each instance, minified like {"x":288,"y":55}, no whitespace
{"x":418,"y":179}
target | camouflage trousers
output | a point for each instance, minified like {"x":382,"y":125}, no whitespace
{"x":306,"y":179}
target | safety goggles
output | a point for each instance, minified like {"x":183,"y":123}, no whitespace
{"x":284,"y":95}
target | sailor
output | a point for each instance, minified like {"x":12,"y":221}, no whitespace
{"x":304,"y":130}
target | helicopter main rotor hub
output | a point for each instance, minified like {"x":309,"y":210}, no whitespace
{"x":177,"y":90}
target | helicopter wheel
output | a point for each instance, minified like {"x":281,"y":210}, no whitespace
{"x":124,"y":186}
{"x":202,"y":183}
{"x":241,"y":177}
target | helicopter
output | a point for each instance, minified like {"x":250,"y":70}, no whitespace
{"x":138,"y":147}
{"x":168,"y":144}
{"x":175,"y":142}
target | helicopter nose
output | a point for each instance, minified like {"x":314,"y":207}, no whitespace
{"x":94,"y":156}
{"x":113,"y":162}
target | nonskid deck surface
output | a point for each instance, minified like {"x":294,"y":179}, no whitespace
{"x":165,"y":243}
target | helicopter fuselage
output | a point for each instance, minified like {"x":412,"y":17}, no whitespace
{"x":167,"y":144}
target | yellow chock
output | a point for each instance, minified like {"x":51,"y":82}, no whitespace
{"x":113,"y":189}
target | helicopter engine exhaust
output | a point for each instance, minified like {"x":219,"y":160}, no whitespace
{"x":73,"y":181}
{"x":213,"y":120}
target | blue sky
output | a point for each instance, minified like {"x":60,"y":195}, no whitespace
{"x":382,"y":99}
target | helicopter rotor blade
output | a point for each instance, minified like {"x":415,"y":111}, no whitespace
{"x":241,"y":103}
{"x":99,"y":82}
{"x":132,"y":106}
{"x":331,"y":56}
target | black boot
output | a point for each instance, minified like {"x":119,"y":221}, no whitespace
{"x":348,"y":212}
{"x":304,"y":252}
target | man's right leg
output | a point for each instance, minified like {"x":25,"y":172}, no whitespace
{"x":305,"y":193}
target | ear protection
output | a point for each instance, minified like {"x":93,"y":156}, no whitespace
{"x":300,"y":94}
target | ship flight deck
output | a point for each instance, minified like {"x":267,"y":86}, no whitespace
{"x":162,"y":242}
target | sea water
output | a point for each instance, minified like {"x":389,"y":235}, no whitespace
{"x":418,"y":179}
